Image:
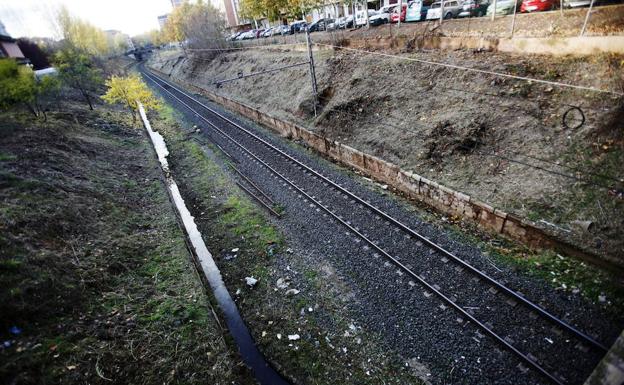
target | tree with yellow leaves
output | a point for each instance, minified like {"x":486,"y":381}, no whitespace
{"x":81,"y":35}
{"x":127,"y":90}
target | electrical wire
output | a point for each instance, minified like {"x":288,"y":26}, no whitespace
{"x":455,"y":66}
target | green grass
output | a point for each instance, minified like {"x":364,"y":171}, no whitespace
{"x":94,"y":267}
{"x":7,"y":157}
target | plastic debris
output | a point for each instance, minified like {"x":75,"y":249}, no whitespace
{"x":281,"y":283}
{"x":15,"y":330}
{"x":293,"y":337}
{"x":235,"y":250}
{"x":251,"y":281}
{"x":292,"y":292}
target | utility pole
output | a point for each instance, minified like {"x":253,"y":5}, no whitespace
{"x":591,"y":5}
{"x":442,"y":10}
{"x":366,"y":12}
{"x":513,"y":21}
{"x":312,"y":73}
{"x":400,"y":9}
{"x":494,"y":13}
{"x":324,"y":16}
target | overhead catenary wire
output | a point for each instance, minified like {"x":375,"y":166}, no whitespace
{"x":510,"y":159}
{"x":471,"y":69}
{"x":496,"y":155}
{"x":491,"y":154}
{"x":243,"y":76}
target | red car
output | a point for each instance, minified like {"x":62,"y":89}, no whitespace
{"x":538,"y":5}
{"x":394,"y":17}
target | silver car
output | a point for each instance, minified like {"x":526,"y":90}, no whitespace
{"x":452,"y":8}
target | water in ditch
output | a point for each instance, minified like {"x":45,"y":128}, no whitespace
{"x":263,"y":372}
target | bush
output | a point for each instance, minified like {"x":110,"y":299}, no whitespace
{"x":19,"y":86}
{"x":127,"y":91}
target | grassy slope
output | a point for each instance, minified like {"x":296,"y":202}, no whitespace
{"x":93,"y":266}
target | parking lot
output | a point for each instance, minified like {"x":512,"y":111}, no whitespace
{"x":604,"y":20}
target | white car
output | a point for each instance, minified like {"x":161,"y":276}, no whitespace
{"x":382,"y":16}
{"x":360,"y":16}
{"x":451,"y":9}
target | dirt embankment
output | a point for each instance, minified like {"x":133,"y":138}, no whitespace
{"x":96,"y":284}
{"x":496,"y":139}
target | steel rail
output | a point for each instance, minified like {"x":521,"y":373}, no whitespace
{"x":373,"y":245}
{"x":263,"y":203}
{"x":252,"y":184}
{"x":503,"y":288}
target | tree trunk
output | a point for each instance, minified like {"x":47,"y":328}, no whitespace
{"x":31,"y":109}
{"x":85,"y":94}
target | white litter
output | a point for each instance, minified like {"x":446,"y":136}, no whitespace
{"x":293,"y":337}
{"x":282,"y":284}
{"x":251,"y":281}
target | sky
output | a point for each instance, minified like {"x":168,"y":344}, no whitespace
{"x":32,"y":17}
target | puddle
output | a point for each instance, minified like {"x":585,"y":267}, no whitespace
{"x":262,"y":371}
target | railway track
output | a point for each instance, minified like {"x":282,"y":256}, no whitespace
{"x":542,"y":341}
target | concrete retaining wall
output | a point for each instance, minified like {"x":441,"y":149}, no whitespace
{"x":415,"y":186}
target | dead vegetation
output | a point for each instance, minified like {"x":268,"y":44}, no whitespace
{"x":96,"y":285}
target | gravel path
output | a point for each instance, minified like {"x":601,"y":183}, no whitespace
{"x":414,"y":321}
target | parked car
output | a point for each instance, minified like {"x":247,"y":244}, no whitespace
{"x":577,"y":3}
{"x":538,"y":5}
{"x":503,"y":7}
{"x":382,"y":16}
{"x":234,"y":36}
{"x":282,"y":30}
{"x":348,"y":22}
{"x":270,"y":32}
{"x":247,"y":35}
{"x":320,"y":25}
{"x":474,"y":8}
{"x":333,"y":25}
{"x":417,"y":10}
{"x":341,"y":23}
{"x":297,"y":26}
{"x":394,"y":16}
{"x":360,"y":16}
{"x":451,"y":10}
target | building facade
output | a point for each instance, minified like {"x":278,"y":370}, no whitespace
{"x":9,"y":47}
{"x":162,"y":20}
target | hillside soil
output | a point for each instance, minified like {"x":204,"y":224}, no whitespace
{"x":96,"y":282}
{"x":501,"y":141}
